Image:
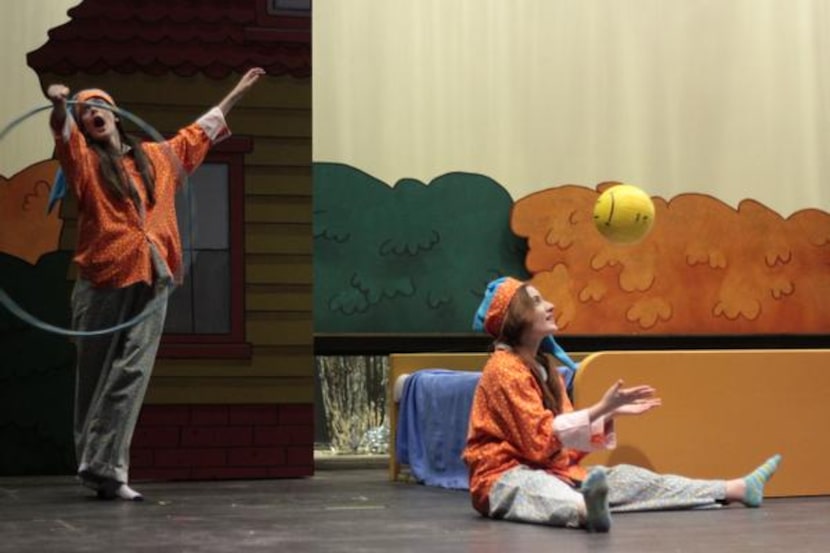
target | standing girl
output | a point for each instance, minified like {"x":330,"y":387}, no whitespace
{"x":129,"y":254}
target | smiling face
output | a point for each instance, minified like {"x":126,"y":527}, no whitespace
{"x":542,"y":319}
{"x":529,"y":318}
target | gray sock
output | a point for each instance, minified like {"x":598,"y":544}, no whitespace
{"x":127,"y":493}
{"x":595,"y":491}
{"x":112,"y":489}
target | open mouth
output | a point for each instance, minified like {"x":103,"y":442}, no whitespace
{"x":98,"y":122}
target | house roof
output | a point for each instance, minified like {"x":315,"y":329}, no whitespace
{"x":211,"y":37}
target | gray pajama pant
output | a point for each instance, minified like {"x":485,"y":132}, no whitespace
{"x":526,"y":495}
{"x":113,"y":371}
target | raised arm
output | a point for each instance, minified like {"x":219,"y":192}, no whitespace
{"x":57,"y":94}
{"x":242,"y":87}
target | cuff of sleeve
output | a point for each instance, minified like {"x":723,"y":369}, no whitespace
{"x":575,"y":430}
{"x":214,"y":125}
{"x":603,"y":434}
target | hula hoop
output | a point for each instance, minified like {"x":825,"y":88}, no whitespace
{"x":155,"y":303}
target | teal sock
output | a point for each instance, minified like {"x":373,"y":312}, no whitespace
{"x":595,"y":490}
{"x":756,"y":480}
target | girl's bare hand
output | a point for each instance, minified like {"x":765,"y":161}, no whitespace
{"x":617,"y":396}
{"x":249,"y":79}
{"x":57,"y":93}
{"x":638,"y":407}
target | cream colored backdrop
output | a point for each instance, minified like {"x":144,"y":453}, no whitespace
{"x":726,"y":97}
{"x":23,"y":28}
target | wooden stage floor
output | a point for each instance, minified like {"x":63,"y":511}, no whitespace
{"x":361,"y":511}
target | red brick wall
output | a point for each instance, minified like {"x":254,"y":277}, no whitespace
{"x":217,"y":442}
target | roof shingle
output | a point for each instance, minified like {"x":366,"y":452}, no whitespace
{"x":185,"y":37}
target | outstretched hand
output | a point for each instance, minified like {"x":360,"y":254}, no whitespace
{"x":57,"y":93}
{"x":245,"y":83}
{"x":249,"y":79}
{"x":638,"y":407}
{"x":629,"y":401}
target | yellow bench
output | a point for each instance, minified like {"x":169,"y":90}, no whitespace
{"x":723,"y":413}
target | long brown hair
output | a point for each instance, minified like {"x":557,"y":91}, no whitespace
{"x":518,"y":320}
{"x":113,"y":174}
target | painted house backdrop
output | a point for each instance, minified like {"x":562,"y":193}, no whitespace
{"x":232,"y":393}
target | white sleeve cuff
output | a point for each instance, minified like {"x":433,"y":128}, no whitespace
{"x":214,"y":125}
{"x":576,"y":431}
{"x":604,"y":428}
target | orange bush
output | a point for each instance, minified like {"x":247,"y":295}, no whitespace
{"x":706,"y":268}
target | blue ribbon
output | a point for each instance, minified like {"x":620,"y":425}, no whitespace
{"x":58,"y":190}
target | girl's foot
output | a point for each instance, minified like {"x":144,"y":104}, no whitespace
{"x":757,"y":479}
{"x":595,"y":490}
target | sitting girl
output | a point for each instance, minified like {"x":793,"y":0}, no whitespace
{"x":525,"y":440}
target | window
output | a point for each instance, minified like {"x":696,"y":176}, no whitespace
{"x":281,"y":21}
{"x":288,"y":7}
{"x":206,"y":314}
{"x":201,"y":305}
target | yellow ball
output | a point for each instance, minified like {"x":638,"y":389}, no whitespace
{"x":624,"y":214}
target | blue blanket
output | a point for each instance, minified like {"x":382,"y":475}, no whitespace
{"x":432,"y":426}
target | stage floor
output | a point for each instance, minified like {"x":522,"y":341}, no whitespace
{"x":360,"y":511}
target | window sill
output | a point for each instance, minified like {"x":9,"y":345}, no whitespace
{"x":239,"y":350}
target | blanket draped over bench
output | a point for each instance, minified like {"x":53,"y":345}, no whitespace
{"x":432,"y":425}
